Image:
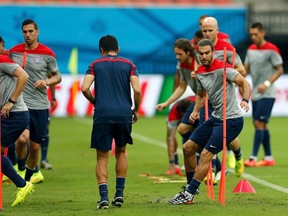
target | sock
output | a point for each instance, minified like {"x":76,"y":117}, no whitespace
{"x":103,"y":191}
{"x":238,"y":154}
{"x":9,"y":171}
{"x":44,"y":148}
{"x":185,"y":136}
{"x":258,"y":137}
{"x":266,"y":143}
{"x":120,"y":184}
{"x":176,"y":159}
{"x":36,"y":169}
{"x":29,"y":173}
{"x":12,"y":154}
{"x":189,"y":176}
{"x":21,"y":164}
{"x":193,"y":186}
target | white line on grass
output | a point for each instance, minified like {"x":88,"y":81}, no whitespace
{"x":244,"y":175}
{"x":163,"y":145}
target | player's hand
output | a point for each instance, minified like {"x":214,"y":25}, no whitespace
{"x":245,"y":106}
{"x":194,"y":116}
{"x":40,"y":84}
{"x":135,"y":117}
{"x":262,"y":88}
{"x":161,"y":106}
{"x":6,"y":109}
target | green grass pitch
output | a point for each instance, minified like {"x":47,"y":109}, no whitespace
{"x":70,"y":188}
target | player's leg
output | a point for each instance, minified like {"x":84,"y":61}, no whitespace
{"x":266,"y":111}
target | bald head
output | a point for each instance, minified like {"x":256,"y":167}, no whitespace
{"x":210,"y":21}
{"x":210,"y":29}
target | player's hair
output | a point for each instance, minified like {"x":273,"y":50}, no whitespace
{"x":206,"y":42}
{"x":1,"y":40}
{"x":108,"y":43}
{"x":185,"y":45}
{"x":258,"y":25}
{"x":199,"y":34}
{"x":28,"y":22}
{"x":183,"y":105}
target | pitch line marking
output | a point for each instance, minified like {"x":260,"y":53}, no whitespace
{"x":244,"y":175}
{"x":163,"y":145}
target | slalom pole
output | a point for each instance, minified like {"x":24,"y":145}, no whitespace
{"x":223,"y":169}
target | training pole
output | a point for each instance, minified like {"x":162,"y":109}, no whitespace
{"x":209,"y":177}
{"x":223,"y":169}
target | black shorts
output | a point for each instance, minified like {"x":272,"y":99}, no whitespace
{"x":38,"y":125}
{"x":13,"y":126}
{"x":103,"y":134}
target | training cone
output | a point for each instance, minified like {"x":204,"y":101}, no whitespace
{"x":244,"y":186}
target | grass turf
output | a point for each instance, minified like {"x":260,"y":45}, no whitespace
{"x":70,"y":188}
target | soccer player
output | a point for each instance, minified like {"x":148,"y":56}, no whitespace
{"x":174,"y":118}
{"x":112,"y":76}
{"x":3,"y":51}
{"x":41,"y":66}
{"x":14,"y":118}
{"x":184,"y":53}
{"x":265,"y":64}
{"x":209,"y":135}
{"x":210,"y":31}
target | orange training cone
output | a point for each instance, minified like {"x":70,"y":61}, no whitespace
{"x":244,"y":186}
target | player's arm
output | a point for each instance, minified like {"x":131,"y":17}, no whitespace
{"x":242,"y":83}
{"x":176,"y":79}
{"x":22,"y":78}
{"x":199,"y":103}
{"x":53,"y":102}
{"x":278,"y":72}
{"x":135,"y":83}
{"x":179,"y":91}
{"x":240,"y":68}
{"x":87,"y":82}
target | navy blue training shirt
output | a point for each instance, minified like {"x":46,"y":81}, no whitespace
{"x":112,"y":89}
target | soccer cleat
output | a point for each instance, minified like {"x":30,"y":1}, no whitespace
{"x":266,"y":163}
{"x":239,"y":167}
{"x":22,"y":193}
{"x":103,"y":204}
{"x":231,"y":160}
{"x":250,"y":163}
{"x":45,"y":165}
{"x":213,"y":179}
{"x":37,"y":177}
{"x":118,"y":201}
{"x":184,"y":197}
{"x":218,"y":174}
{"x":177,"y":171}
{"x":5,"y":178}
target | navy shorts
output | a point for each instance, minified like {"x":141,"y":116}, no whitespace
{"x":38,"y":125}
{"x":209,"y":135}
{"x":103,"y":134}
{"x":186,"y":116}
{"x":261,"y":109}
{"x":13,"y":126}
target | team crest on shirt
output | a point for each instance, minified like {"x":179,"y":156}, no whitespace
{"x":212,"y":76}
{"x":37,"y":59}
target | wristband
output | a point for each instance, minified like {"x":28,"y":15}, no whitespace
{"x":11,"y":101}
{"x":246,"y":100}
{"x":267,"y":83}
